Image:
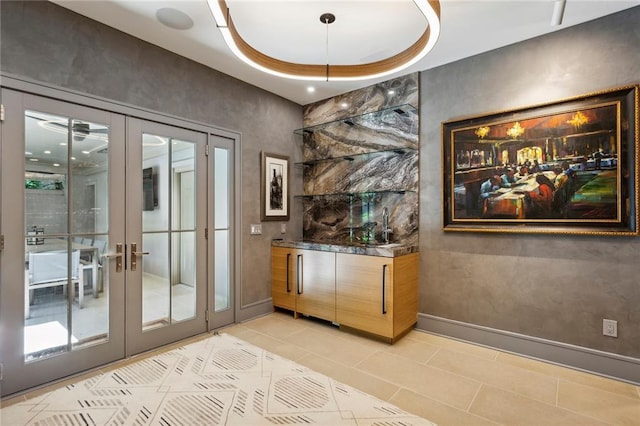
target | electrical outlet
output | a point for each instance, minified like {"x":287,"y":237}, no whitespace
{"x":256,"y":229}
{"x":610,"y":328}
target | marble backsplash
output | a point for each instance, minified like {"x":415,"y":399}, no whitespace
{"x":357,"y":165}
{"x":357,"y":219}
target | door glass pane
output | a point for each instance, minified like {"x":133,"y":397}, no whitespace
{"x":222,"y":276}
{"x":89,"y":166}
{"x":46,"y":172}
{"x":155,"y":183}
{"x":90,"y":319}
{"x":156,"y":295}
{"x":222,"y":283}
{"x":169,"y":278}
{"x":183,"y":290}
{"x":64,"y":171}
{"x":221,"y":184}
{"x":47,"y":296}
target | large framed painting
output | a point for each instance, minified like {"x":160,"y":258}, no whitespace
{"x":274,"y":187}
{"x":564,"y":167}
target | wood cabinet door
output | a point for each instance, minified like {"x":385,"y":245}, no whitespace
{"x":315,"y":283}
{"x":364,"y":293}
{"x":283,"y":287}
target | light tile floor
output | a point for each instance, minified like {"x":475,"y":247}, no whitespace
{"x":441,"y":379}
{"x":447,"y":381}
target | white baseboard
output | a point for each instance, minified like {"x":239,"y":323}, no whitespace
{"x":593,"y":361}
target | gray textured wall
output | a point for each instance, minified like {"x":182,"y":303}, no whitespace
{"x":554,"y":287}
{"x":45,"y":42}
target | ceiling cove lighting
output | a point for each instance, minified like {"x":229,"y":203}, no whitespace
{"x":316,"y":72}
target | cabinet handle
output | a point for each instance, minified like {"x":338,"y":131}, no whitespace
{"x":384,"y":289}
{"x":299,"y":283}
{"x":288,"y":257}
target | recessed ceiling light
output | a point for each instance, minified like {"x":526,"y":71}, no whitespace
{"x":63,"y":144}
{"x":173,"y":18}
{"x":391,"y":92}
{"x":311,"y":89}
{"x":56,"y":165}
{"x":344,"y":105}
{"x":28,"y":153}
{"x":73,"y":158}
{"x":33,"y":159}
{"x":86,"y":152}
{"x":47,"y":152}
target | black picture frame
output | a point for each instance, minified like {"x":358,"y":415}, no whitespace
{"x":274,"y":184}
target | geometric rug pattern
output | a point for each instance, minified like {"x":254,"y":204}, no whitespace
{"x":221,"y":380}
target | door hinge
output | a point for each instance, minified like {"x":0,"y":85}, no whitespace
{"x":1,"y":242}
{"x":1,"y":112}
{"x":206,"y":233}
{"x":206,"y":150}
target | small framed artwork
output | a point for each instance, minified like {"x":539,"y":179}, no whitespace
{"x":274,"y":187}
{"x":565,"y":167}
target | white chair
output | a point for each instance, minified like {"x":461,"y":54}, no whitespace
{"x":49,"y":269}
{"x":89,"y":263}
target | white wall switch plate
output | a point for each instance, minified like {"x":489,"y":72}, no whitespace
{"x":610,"y":328}
{"x":256,"y":229}
{"x":283,"y":228}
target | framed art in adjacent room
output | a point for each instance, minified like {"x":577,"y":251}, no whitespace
{"x":274,"y":187}
{"x":568,"y":166}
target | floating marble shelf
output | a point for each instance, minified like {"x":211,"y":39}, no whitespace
{"x":406,"y":111}
{"x":355,"y":194}
{"x":363,"y":156}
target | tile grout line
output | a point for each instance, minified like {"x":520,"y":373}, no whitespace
{"x":468,"y":410}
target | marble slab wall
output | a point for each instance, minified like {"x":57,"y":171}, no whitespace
{"x":355,"y":166}
{"x":398,"y":91}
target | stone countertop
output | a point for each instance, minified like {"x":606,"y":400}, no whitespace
{"x":383,"y":250}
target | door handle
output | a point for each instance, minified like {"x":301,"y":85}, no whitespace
{"x":134,"y":255}
{"x":118,"y":255}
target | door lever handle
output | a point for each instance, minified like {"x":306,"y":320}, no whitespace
{"x":134,"y":255}
{"x":118,"y":255}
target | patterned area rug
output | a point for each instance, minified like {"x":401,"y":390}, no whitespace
{"x":221,"y":380}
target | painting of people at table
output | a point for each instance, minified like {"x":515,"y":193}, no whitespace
{"x":561,"y":167}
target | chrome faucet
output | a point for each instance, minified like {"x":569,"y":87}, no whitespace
{"x":386,"y":230}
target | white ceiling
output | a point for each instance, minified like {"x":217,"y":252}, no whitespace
{"x":364,"y":31}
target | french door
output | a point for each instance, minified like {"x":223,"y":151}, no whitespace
{"x":105,"y":252}
{"x":63,"y":215}
{"x":165,"y":234}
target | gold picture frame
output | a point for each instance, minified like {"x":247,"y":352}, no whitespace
{"x":567,"y":167}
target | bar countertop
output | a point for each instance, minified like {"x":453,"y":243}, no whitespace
{"x":382,"y":250}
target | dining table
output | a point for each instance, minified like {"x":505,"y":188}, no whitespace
{"x":510,"y":202}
